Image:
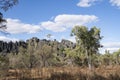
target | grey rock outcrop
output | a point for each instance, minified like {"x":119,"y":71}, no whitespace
{"x":13,"y":47}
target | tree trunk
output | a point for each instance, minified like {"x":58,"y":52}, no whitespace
{"x":43,"y":63}
{"x":117,"y":60}
{"x":89,"y":60}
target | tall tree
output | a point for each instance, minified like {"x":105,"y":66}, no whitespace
{"x":88,"y":40}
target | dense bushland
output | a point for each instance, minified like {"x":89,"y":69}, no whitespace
{"x":37,"y":58}
{"x":51,"y":60}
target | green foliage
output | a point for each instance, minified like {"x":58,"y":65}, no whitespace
{"x":28,"y":58}
{"x":4,"y":61}
{"x":4,"y":65}
{"x":45,"y":54}
{"x":76,"y":55}
{"x":116,"y":57}
{"x":88,"y":40}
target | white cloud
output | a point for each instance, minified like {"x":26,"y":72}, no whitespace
{"x":72,"y":39}
{"x":3,"y":38}
{"x":53,"y":26}
{"x":112,"y":49}
{"x":62,"y":22}
{"x":111,"y":46}
{"x":15,"y":26}
{"x":115,"y":2}
{"x":86,"y":3}
{"x":58,"y":24}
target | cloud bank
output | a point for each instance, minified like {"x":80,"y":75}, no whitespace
{"x":89,"y":3}
{"x":58,"y":24}
{"x":111,"y":46}
{"x":65,"y":21}
{"x":15,"y":26}
{"x":3,"y":38}
{"x":115,"y":3}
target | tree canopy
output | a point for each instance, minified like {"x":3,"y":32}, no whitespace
{"x":88,"y":40}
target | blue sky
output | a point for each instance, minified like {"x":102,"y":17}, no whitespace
{"x":37,"y":18}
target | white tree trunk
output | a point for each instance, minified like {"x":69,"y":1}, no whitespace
{"x":89,"y":60}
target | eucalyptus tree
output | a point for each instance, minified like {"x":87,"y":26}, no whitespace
{"x":88,"y":40}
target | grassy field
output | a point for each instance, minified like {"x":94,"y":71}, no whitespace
{"x":65,"y":73}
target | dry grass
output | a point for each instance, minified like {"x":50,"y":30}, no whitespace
{"x":66,"y":73}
